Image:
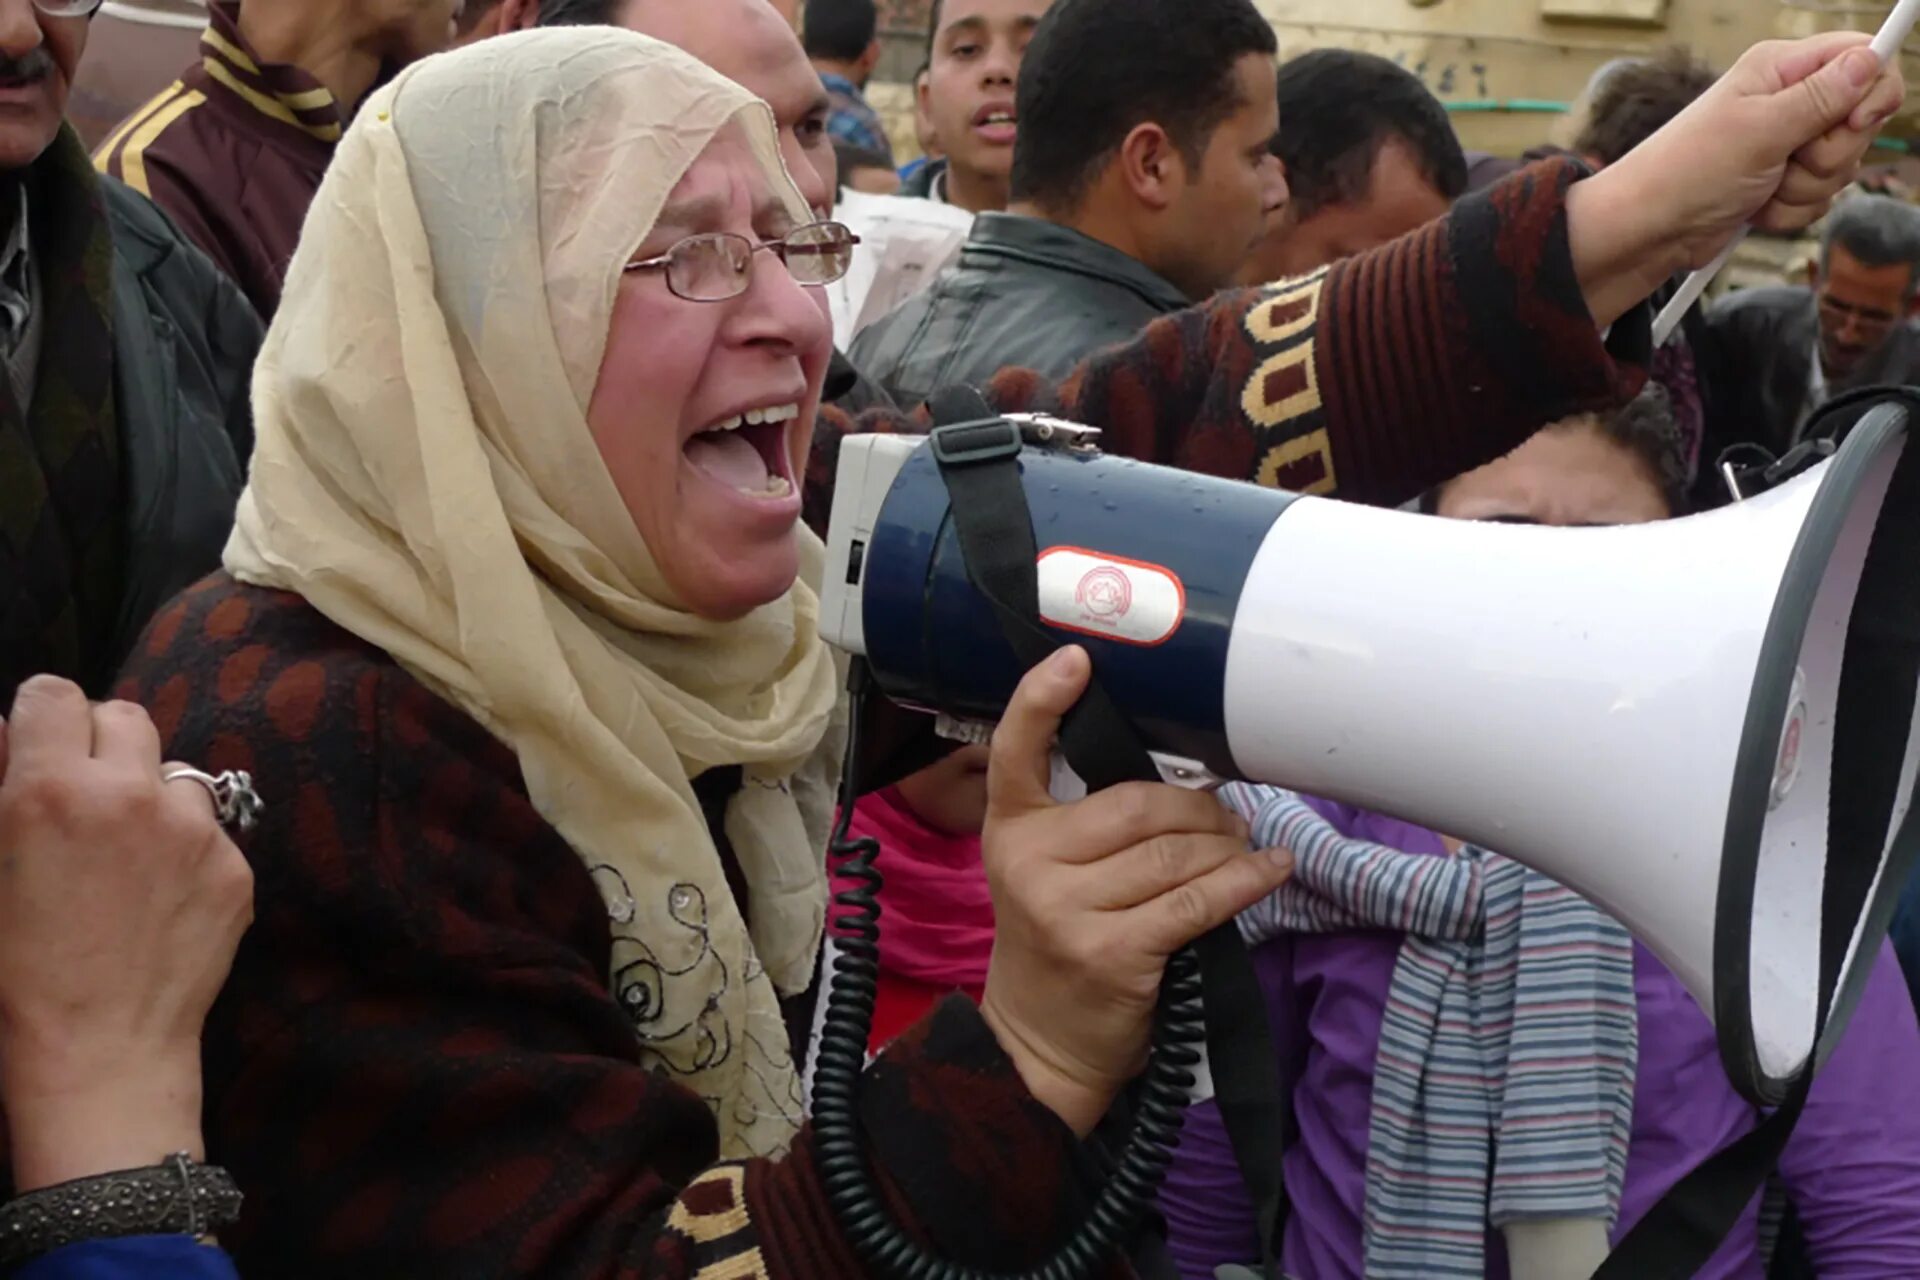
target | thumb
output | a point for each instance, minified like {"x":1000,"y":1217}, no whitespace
{"x":1825,"y":98}
{"x":1021,"y":765}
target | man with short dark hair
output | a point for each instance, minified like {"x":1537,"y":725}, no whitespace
{"x":842,"y":37}
{"x":235,"y":149}
{"x":1369,"y":155}
{"x":125,"y":358}
{"x":1141,"y":179}
{"x":1778,"y":354}
{"x":966,"y":99}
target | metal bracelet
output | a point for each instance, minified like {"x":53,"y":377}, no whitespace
{"x":178,"y":1197}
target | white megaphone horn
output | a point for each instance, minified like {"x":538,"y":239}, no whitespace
{"x":1697,"y":724}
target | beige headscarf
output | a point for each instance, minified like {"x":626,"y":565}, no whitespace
{"x":425,"y":477}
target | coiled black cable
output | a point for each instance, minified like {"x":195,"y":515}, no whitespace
{"x":840,"y":1058}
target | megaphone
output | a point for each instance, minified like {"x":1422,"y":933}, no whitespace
{"x":1694,"y":723}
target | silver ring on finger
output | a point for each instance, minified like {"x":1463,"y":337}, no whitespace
{"x":236,"y":805}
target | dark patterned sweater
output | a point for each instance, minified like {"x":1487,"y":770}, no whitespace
{"x":1376,"y":378}
{"x":416,"y":1070}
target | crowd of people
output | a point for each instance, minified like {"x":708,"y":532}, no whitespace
{"x":420,"y":744}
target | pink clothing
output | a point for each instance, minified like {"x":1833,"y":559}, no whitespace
{"x":936,"y":922}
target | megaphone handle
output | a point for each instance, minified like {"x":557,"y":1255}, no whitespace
{"x":996,"y":531}
{"x":990,"y":515}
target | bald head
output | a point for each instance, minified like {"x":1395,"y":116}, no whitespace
{"x":752,"y":43}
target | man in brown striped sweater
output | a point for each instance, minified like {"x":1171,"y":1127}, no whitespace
{"x":235,"y":148}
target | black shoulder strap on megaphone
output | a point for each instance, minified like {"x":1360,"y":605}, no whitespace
{"x":978,"y":456}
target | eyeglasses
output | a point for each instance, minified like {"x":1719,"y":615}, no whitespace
{"x":67,"y":8}
{"x":716,"y":267}
{"x":1865,"y":319}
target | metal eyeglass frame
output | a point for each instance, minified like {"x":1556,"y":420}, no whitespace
{"x":845,"y":241}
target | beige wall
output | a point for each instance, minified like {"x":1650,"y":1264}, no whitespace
{"x":1508,"y":51}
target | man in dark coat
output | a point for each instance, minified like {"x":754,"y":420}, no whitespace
{"x":1777,"y":355}
{"x":1142,"y":178}
{"x":124,"y":427}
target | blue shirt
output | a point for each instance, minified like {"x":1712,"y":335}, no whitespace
{"x":853,"y":121}
{"x":134,"y":1258}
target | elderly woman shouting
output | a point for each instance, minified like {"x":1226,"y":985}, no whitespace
{"x":518,"y":639}
{"x":518,"y":642}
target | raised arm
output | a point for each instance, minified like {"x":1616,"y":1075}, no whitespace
{"x":1376,"y":377}
{"x":1390,"y":372}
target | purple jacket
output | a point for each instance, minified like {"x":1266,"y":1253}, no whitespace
{"x":1852,"y":1169}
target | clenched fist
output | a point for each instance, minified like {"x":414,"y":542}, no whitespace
{"x":121,"y":906}
{"x":1769,"y":145}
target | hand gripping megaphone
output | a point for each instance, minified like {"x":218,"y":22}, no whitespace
{"x":1706,"y":726}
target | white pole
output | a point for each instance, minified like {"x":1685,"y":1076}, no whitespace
{"x":1886,"y":45}
{"x":156,"y":17}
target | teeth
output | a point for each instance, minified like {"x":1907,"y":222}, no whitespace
{"x":778,"y":486}
{"x":758,"y":417}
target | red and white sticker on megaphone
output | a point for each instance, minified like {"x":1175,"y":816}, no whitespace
{"x":1110,"y":597}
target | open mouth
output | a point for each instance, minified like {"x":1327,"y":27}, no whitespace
{"x":996,"y":122}
{"x":747,"y":452}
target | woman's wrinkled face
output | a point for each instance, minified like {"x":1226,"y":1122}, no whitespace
{"x":704,"y":410}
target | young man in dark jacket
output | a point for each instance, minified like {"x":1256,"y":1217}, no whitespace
{"x":124,"y":426}
{"x":1142,"y":178}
